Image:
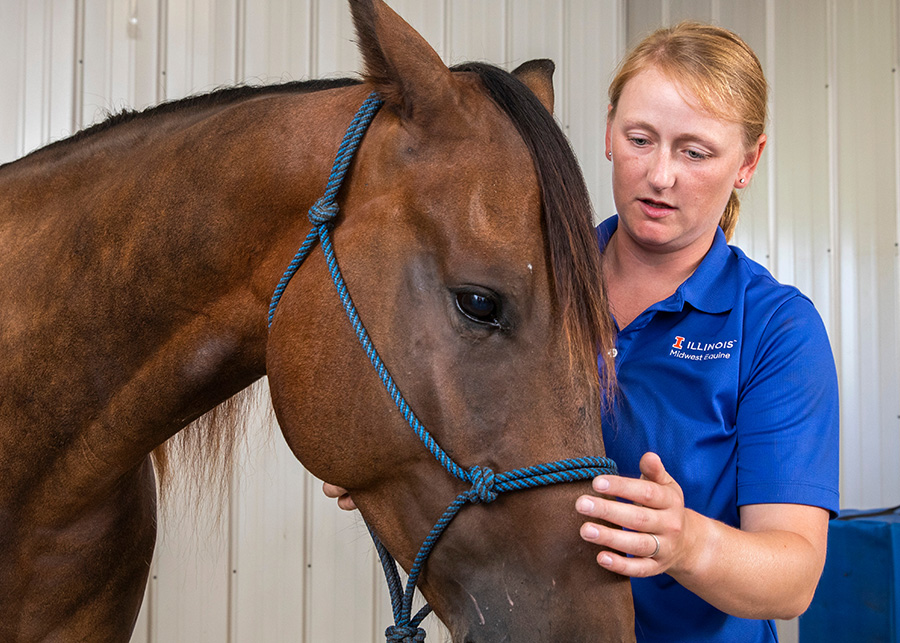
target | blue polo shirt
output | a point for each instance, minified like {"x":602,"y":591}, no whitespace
{"x":731,"y":380}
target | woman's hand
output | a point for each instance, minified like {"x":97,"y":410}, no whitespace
{"x":657,"y":523}
{"x":767,"y":569}
{"x":344,"y":500}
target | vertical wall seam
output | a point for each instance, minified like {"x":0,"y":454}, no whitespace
{"x":833,"y":194}
{"x":190,"y":33}
{"x":47,"y":73}
{"x":772,"y":143}
{"x":895,"y":77}
{"x":306,"y":609}
{"x":378,"y":587}
{"x":23,"y":74}
{"x":445,"y":30}
{"x":150,"y":596}
{"x":507,"y":31}
{"x":565,"y":116}
{"x":162,"y":37}
{"x":313,"y":39}
{"x":132,"y":50}
{"x":232,"y":554}
{"x":240,"y":40}
{"x":78,"y":69}
{"x":833,"y":166}
{"x":107,"y":57}
{"x":212,"y":14}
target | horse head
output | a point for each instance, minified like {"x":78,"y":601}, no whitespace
{"x":465,"y":241}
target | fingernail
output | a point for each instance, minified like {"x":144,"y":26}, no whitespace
{"x":601,"y":484}
{"x":605,"y":560}
{"x":590,"y":531}
{"x":585,"y":505}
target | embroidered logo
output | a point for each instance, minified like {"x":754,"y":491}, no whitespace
{"x":699,"y":351}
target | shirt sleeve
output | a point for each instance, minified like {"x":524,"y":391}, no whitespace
{"x":788,"y":417}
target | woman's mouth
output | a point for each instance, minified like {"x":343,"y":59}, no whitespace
{"x":656,"y":209}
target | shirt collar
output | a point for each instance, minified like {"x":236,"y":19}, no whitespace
{"x":712,"y":288}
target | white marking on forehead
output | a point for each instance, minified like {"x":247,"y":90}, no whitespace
{"x":530,"y":268}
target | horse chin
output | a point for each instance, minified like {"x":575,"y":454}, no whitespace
{"x":548,"y":589}
{"x":547,"y":614}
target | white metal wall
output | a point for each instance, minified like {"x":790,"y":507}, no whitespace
{"x":283,"y":564}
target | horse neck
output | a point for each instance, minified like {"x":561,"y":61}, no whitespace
{"x":144,"y":261}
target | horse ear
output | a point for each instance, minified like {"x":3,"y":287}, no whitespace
{"x":538,"y":75}
{"x":406,"y":72}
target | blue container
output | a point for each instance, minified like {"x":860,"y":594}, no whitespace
{"x":858,"y":597}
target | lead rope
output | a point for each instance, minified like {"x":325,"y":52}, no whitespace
{"x":486,"y":485}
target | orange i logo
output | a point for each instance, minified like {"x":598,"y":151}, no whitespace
{"x":678,"y":341}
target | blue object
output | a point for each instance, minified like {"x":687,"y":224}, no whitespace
{"x":858,"y":598}
{"x":486,"y":485}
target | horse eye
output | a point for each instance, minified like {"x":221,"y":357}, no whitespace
{"x":479,"y":308}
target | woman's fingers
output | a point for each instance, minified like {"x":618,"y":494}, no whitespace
{"x":645,"y":520}
{"x":345,"y":502}
{"x":652,"y":469}
{"x":625,"y":552}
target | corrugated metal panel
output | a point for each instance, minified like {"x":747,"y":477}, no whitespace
{"x":281,"y":563}
{"x":592,"y":43}
{"x":866,"y":124}
{"x":12,"y":70}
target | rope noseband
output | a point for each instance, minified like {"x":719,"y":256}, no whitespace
{"x":486,"y":485}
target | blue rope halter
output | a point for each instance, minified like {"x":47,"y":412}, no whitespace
{"x":486,"y":485}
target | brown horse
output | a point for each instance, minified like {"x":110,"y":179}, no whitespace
{"x":139,"y":258}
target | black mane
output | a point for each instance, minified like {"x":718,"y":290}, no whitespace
{"x":567,"y":218}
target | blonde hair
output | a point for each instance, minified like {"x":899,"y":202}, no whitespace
{"x":718,"y":67}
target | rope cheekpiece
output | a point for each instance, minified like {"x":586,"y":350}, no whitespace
{"x":486,"y":485}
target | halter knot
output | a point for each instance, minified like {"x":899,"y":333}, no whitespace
{"x":483,"y":489}
{"x":405,"y":634}
{"x":323,"y":212}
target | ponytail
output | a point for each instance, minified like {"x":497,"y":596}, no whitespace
{"x":728,"y":222}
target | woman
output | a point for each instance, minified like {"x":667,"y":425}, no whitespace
{"x":725,"y":423}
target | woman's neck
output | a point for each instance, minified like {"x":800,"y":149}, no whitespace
{"x":637,"y":278}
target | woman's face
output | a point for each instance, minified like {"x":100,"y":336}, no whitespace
{"x":674,"y":165}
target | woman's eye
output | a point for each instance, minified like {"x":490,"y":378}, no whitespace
{"x":479,"y":308}
{"x":639,"y":141}
{"x":697,"y":156}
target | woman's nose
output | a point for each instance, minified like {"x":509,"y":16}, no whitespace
{"x":661,"y":173}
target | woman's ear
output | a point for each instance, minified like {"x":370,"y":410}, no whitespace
{"x":751,"y":161}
